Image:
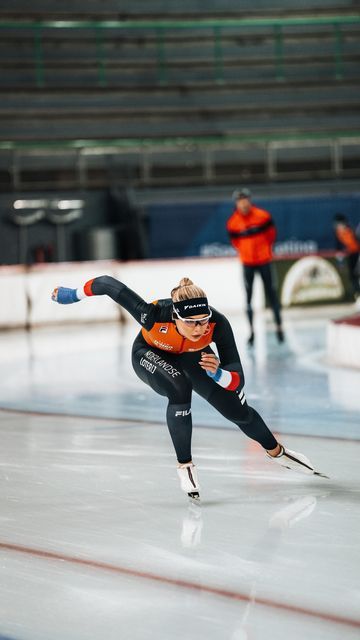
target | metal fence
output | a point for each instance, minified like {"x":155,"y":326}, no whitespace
{"x":334,"y":148}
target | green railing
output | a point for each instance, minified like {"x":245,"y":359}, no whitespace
{"x":160,"y":28}
{"x":172,"y":142}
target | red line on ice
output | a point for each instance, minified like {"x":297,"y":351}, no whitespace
{"x":185,"y":584}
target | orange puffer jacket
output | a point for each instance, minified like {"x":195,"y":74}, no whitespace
{"x":252,"y":235}
{"x":347,"y":238}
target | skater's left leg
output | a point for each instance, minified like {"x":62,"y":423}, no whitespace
{"x":233,"y":406}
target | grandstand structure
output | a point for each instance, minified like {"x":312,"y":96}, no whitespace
{"x":102,"y":93}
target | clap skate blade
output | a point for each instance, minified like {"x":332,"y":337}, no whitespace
{"x":194,"y":497}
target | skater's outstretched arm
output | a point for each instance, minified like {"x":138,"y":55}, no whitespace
{"x":145,"y":313}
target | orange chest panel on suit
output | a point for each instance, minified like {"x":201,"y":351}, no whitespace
{"x":164,"y":336}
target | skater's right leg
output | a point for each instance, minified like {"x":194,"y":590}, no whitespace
{"x":164,"y":375}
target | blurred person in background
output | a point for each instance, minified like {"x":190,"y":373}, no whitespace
{"x":252,"y":232}
{"x":348,"y":243}
{"x":357,"y":232}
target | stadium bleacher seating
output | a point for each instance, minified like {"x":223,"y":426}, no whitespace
{"x":62,"y":84}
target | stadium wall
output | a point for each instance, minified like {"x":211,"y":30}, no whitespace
{"x":25,"y":291}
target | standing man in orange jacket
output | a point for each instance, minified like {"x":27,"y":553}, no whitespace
{"x":252,"y":233}
{"x":348,"y":242}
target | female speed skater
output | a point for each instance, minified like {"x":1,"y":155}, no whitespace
{"x":172,"y":355}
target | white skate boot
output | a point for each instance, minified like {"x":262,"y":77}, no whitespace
{"x":189,"y":480}
{"x":295,"y":461}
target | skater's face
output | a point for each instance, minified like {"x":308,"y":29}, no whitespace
{"x":243,"y":205}
{"x":191,"y":327}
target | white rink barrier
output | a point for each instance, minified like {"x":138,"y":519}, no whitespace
{"x":14,"y":303}
{"x":343,"y":341}
{"x":25,"y":292}
{"x":221,"y":278}
{"x":42,"y":280}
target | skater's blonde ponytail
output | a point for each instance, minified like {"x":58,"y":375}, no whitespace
{"x":186,"y":290}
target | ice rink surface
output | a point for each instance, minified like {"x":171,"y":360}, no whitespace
{"x":97,"y":540}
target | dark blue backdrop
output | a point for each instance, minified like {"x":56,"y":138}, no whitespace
{"x":191,"y":229}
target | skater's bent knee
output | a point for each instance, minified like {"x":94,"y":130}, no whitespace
{"x":179,"y":393}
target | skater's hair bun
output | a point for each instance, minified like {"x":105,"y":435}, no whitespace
{"x":185,"y":282}
{"x":186,"y":290}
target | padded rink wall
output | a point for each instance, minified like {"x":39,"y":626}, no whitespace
{"x":25,"y":292}
{"x":343,"y":341}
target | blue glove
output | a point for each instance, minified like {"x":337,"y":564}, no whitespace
{"x":216,"y":376}
{"x":64,"y":295}
{"x":229,"y":380}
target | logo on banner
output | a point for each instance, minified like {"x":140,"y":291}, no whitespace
{"x":311,"y":279}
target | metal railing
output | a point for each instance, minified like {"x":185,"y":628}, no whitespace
{"x":270,"y":145}
{"x":162,"y":28}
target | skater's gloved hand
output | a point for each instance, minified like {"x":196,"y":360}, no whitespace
{"x":229,"y":380}
{"x":64,"y":295}
{"x":209,"y":362}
